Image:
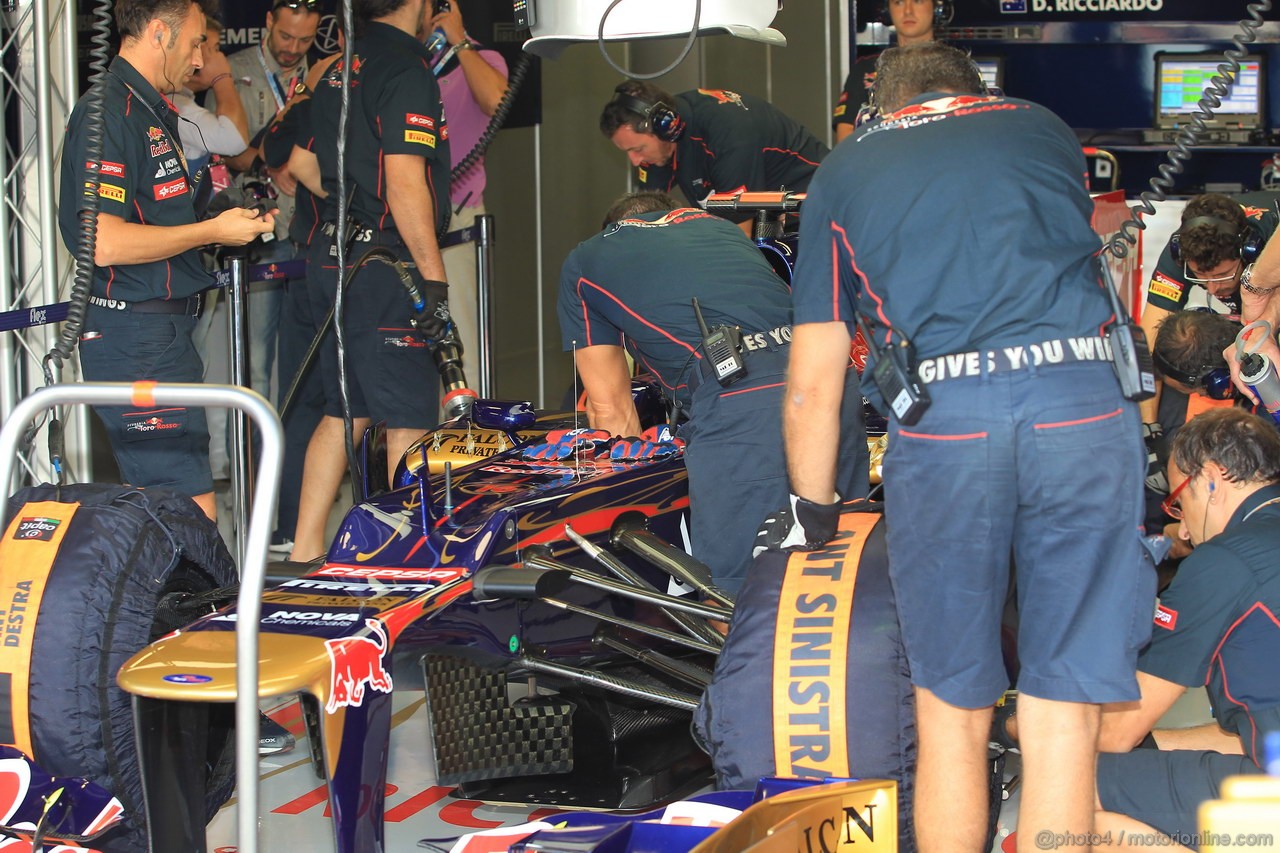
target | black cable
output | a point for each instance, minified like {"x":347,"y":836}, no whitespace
{"x":1189,"y":135}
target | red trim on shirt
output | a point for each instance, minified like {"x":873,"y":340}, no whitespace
{"x":1222,"y":667}
{"x":789,"y":153}
{"x":584,"y":280}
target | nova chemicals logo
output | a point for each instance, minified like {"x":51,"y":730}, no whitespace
{"x":188,"y":678}
{"x":36,"y":527}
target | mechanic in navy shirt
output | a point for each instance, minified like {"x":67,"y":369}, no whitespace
{"x":615,"y":298}
{"x":709,"y":141}
{"x":913,"y":22}
{"x":147,"y":275}
{"x":1216,"y":239}
{"x":397,"y":162}
{"x":1217,"y":625}
{"x":1028,"y":448}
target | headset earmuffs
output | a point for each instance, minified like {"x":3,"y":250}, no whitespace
{"x":1251,"y":239}
{"x":658,"y":118}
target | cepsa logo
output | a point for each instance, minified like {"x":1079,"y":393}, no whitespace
{"x":116,"y":170}
{"x":172,"y":189}
{"x":420,"y":121}
{"x":440,"y":575}
{"x":37,"y":527}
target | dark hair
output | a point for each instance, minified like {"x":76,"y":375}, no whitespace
{"x":132,"y":16}
{"x":903,"y":73}
{"x":365,"y":11}
{"x":615,"y":115}
{"x":1192,"y":341}
{"x":634,"y":204}
{"x":1206,"y":245}
{"x":1246,"y":446}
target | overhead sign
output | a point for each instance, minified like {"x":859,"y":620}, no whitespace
{"x":997,"y":12}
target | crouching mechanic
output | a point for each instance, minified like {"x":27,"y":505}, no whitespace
{"x":616,"y":295}
{"x":1217,"y":625}
{"x":1028,"y":450}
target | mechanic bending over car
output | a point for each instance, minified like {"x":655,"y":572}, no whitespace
{"x":1216,"y":626}
{"x":1027,"y":448}
{"x":147,"y":276}
{"x":1203,"y":264}
{"x":709,"y":141}
{"x":397,"y":161}
{"x":617,"y":295}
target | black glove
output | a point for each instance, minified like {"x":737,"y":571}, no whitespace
{"x":1153,"y":439}
{"x":430,"y":308}
{"x":802,"y":525}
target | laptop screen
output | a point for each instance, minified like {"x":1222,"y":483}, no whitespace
{"x":1181,"y":80}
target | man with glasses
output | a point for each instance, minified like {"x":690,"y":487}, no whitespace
{"x":1217,"y":625}
{"x":1202,"y":265}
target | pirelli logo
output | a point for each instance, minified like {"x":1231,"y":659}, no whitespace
{"x":642,"y":175}
{"x":112,"y":192}
{"x":1162,"y":285}
{"x":421,"y":137}
{"x":810,"y":654}
{"x":839,"y":111}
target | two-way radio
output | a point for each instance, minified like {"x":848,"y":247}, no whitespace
{"x":723,"y":347}
{"x":1130,"y":353}
{"x":895,"y":376}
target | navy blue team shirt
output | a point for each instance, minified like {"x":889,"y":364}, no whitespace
{"x":143,"y":180}
{"x":1218,"y":623}
{"x":1169,"y":288}
{"x":948,"y":220}
{"x":395,"y":109}
{"x":732,"y":142}
{"x":632,"y":286}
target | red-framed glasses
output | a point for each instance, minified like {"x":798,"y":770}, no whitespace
{"x":1170,"y":505}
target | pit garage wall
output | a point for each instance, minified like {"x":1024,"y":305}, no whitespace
{"x":581,"y":172}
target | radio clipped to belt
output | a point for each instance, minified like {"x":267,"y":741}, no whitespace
{"x":895,"y":375}
{"x":723,"y":348}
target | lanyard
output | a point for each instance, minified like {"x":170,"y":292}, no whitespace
{"x":164,"y":128}
{"x":277,"y":93}
{"x":1258,"y":507}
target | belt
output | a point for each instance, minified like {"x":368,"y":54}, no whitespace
{"x":755,"y":345}
{"x":962,"y":365}
{"x":189,"y":306}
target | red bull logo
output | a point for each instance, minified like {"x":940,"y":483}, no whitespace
{"x":354,"y":663}
{"x":155,"y":134}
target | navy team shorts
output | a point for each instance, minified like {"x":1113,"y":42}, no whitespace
{"x":153,"y":446}
{"x":1042,"y":469}
{"x":390,"y":373}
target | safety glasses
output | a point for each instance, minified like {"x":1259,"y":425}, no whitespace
{"x":1186,"y":274}
{"x":1170,"y":505}
{"x":295,"y":5}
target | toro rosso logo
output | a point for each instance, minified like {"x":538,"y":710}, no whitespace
{"x":151,"y":424}
{"x":355,"y":662}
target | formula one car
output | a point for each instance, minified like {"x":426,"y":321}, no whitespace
{"x":553,"y":682}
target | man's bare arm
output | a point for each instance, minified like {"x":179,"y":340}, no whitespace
{"x":811,"y":408}
{"x":607,"y":382}
{"x":120,"y":242}
{"x":305,"y":168}
{"x":413,"y":208}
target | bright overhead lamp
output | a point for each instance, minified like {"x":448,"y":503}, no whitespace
{"x":556,"y":24}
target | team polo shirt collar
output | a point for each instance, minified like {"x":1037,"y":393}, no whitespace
{"x":392,"y":34}
{"x":158,"y":102}
{"x":1252,"y":502}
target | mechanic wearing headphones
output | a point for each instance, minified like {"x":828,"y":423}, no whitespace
{"x":611,"y":302}
{"x":1203,"y":263}
{"x":913,"y":22}
{"x":709,"y":141}
{"x":1216,"y":626}
{"x":147,"y":276}
{"x":397,"y":160}
{"x":1026,"y":414}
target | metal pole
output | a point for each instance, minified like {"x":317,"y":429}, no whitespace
{"x":241,"y":435}
{"x":252,"y":570}
{"x":44,"y":180}
{"x":485,"y":234}
{"x":10,"y":366}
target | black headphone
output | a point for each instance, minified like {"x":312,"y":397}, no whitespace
{"x":1213,"y":380}
{"x":1251,"y":239}
{"x":943,"y":12}
{"x":657,"y":118}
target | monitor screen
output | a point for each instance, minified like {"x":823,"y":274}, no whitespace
{"x":1181,"y":80}
{"x":992,"y":70}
